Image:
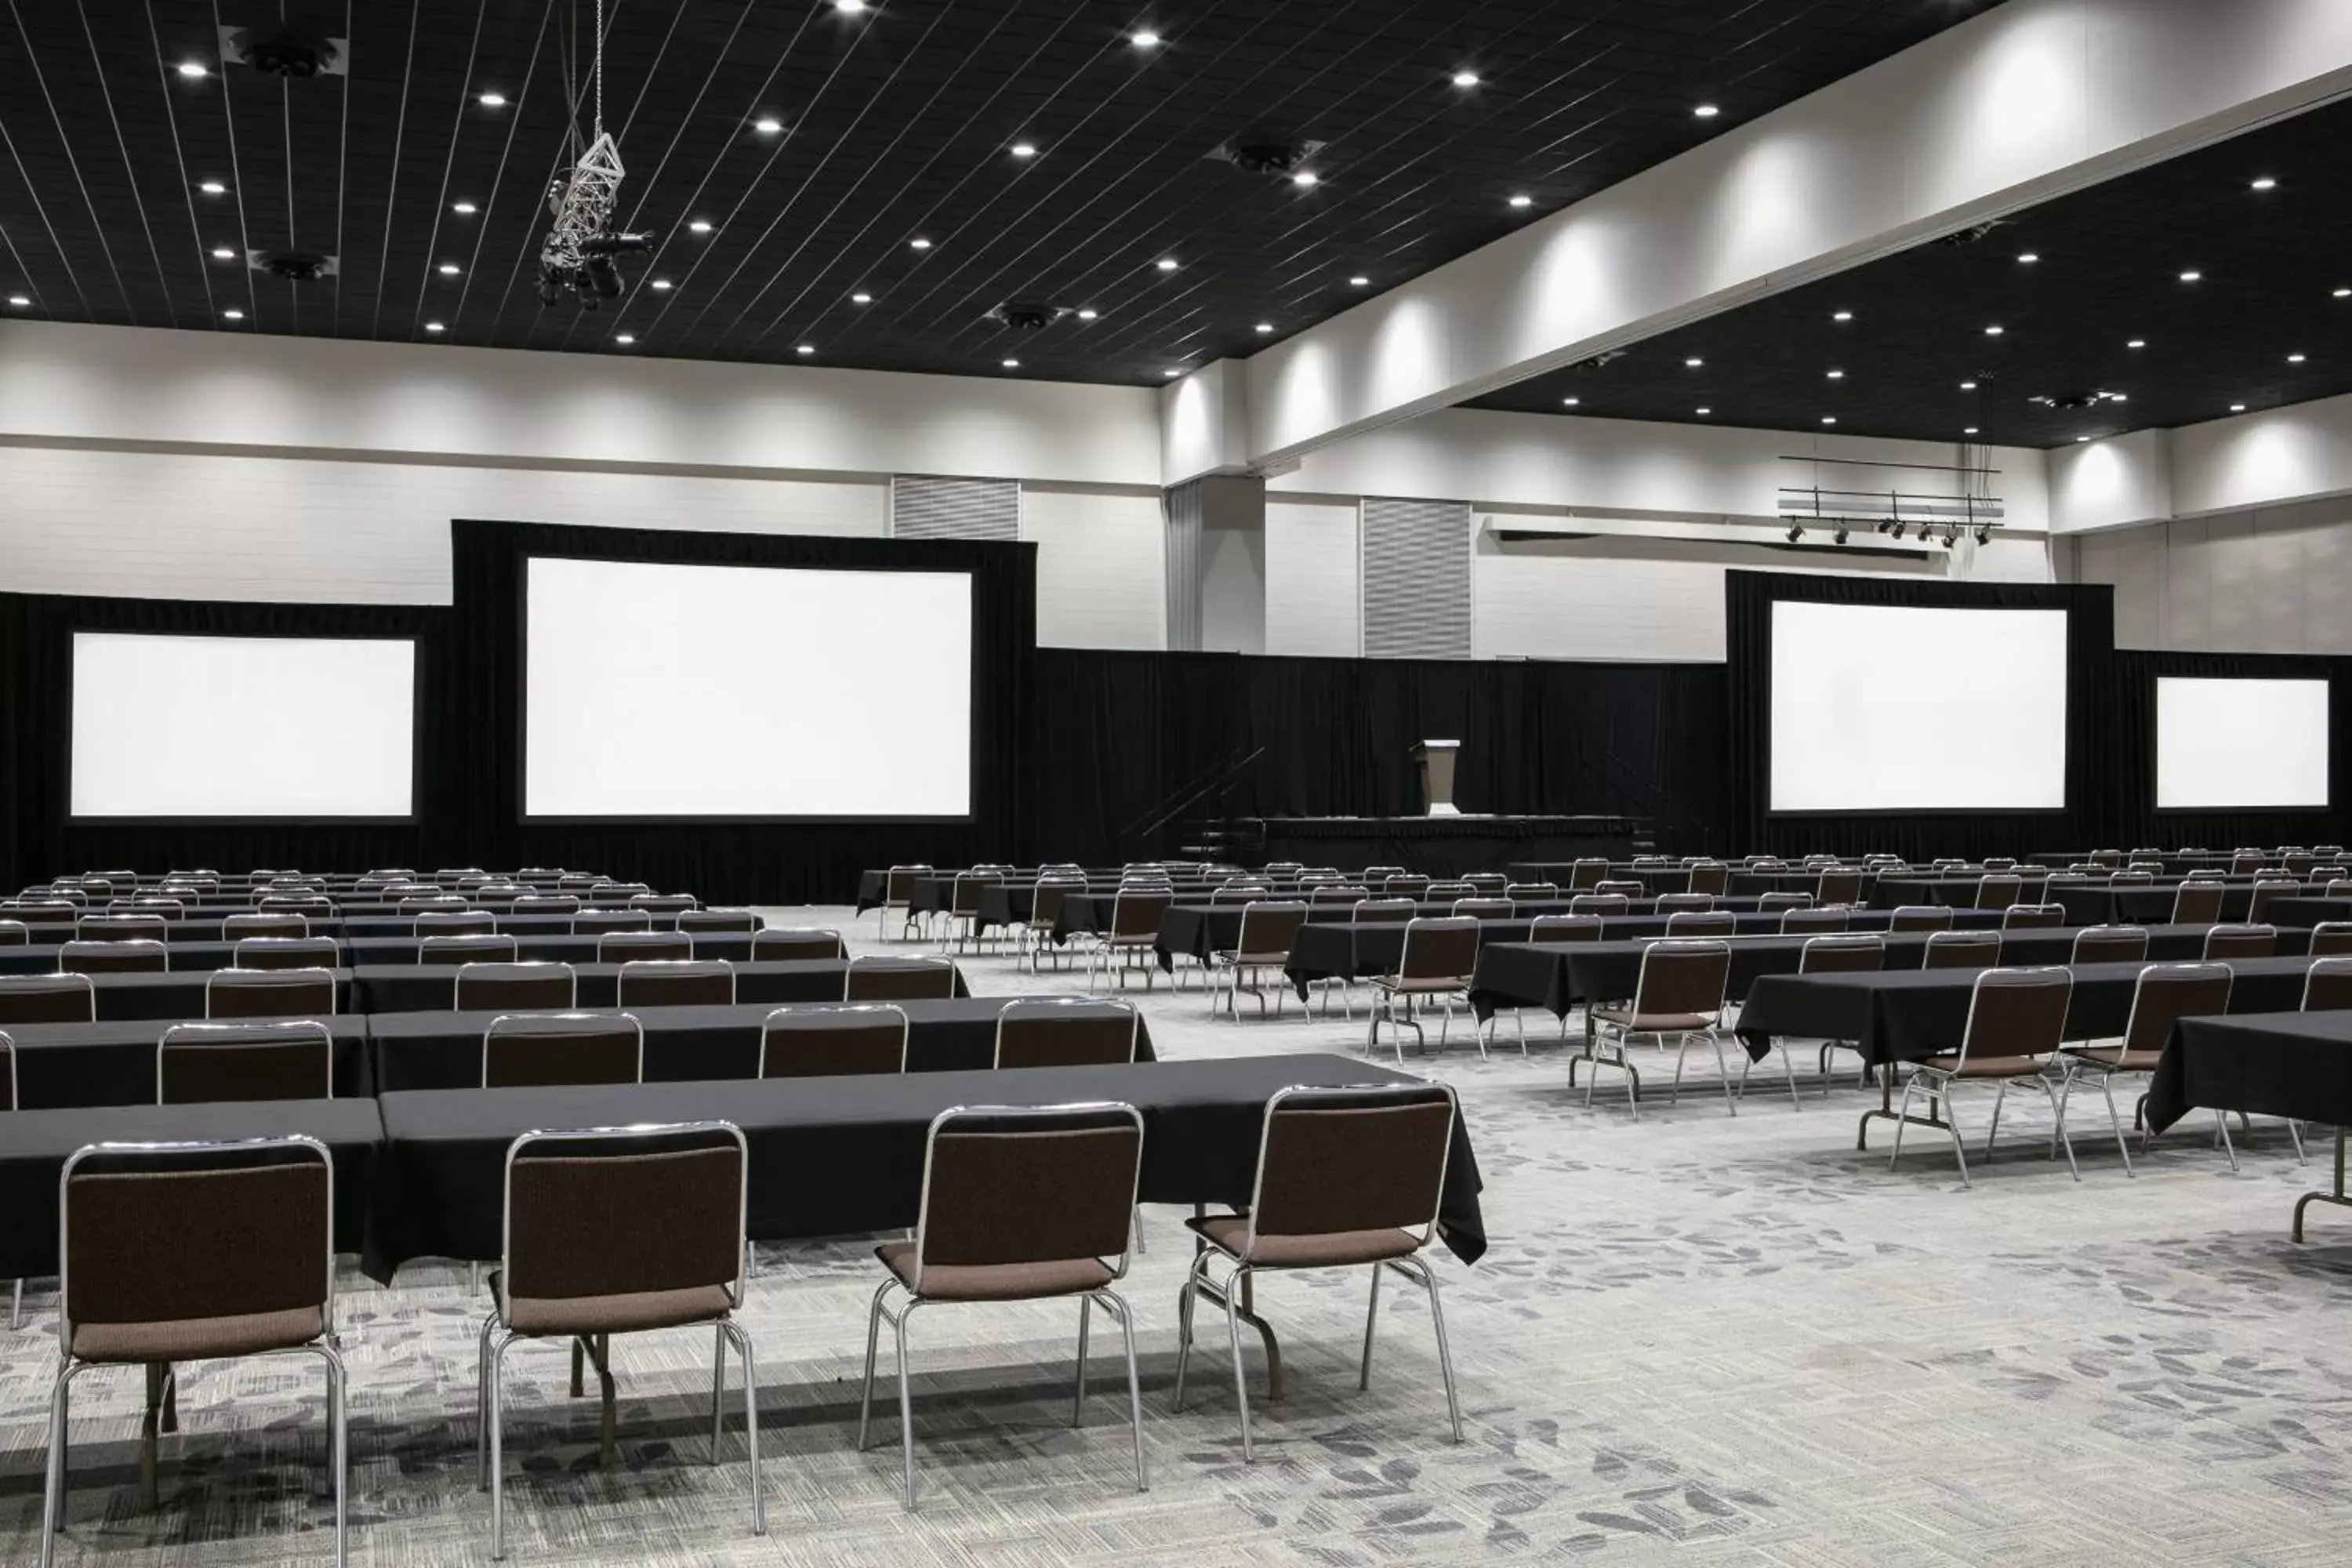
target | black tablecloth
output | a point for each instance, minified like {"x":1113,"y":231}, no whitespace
{"x":1958,"y":891}
{"x":841,"y":1155}
{"x":1906,"y":1015}
{"x":2297,"y":1065}
{"x":2096,"y":903}
{"x":175,"y":995}
{"x":184,"y":957}
{"x":432,"y":987}
{"x":733,"y":946}
{"x":35,"y":1144}
{"x":2308,"y":911}
{"x":60,"y":1064}
{"x":444,"y":1050}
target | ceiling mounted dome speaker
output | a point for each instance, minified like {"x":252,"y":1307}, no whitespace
{"x":294,"y":265}
{"x":287,"y":52}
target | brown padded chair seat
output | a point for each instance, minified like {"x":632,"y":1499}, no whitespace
{"x":2120,"y":1059}
{"x":1650,"y":1023}
{"x":1340,"y":1250}
{"x":1427,"y":982}
{"x":623,"y":1314}
{"x":1996,"y":1067}
{"x":996,"y":1281}
{"x":198,"y":1339}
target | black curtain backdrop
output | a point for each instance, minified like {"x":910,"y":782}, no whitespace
{"x":2132,"y":805}
{"x":37,"y":837}
{"x":1118,"y":734}
{"x":475,"y":728}
{"x":2095,"y":763}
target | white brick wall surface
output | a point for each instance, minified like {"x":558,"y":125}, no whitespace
{"x":1101,"y":567}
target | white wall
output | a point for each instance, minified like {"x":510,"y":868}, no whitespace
{"x":1101,"y":566}
{"x":1313,"y":571}
{"x":2270,"y":580}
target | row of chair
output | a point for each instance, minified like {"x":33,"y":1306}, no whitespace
{"x":152,"y":954}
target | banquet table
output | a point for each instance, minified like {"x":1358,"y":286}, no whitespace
{"x":2292,"y":1064}
{"x":113,"y":1062}
{"x":386,"y":988}
{"x":171,"y":995}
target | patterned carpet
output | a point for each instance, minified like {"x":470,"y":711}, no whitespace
{"x":1699,"y":1339}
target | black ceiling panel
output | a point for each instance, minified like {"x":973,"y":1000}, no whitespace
{"x":2107,"y":273}
{"x":898,"y":122}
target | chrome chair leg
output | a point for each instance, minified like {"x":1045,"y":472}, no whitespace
{"x":1241,"y":1383}
{"x":498,"y":1454}
{"x":1126,"y":1316}
{"x":743,"y":1338}
{"x":873,"y":1337}
{"x":906,"y":1405}
{"x":1372,"y":1315}
{"x":1444,"y":1354}
{"x":1185,"y":1301}
{"x":718,"y":1386}
{"x":339,"y":1444}
{"x":1078,"y":1399}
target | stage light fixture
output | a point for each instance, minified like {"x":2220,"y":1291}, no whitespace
{"x":1840,"y":535}
{"x":1984,"y":534}
{"x":1796,"y":532}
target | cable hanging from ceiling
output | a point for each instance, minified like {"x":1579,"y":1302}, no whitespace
{"x":577,"y":257}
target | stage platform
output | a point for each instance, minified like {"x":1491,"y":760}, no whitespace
{"x":1444,"y":846}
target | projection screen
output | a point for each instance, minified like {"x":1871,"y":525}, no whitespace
{"x":200,"y":727}
{"x":663,"y":691}
{"x":2240,"y":744}
{"x":1900,"y":707}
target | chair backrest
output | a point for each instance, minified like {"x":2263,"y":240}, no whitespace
{"x":2327,"y":985}
{"x":1336,"y":893}
{"x":1565,"y":928}
{"x":2246,"y":862}
{"x":1712,"y":878}
{"x":1842,"y":954}
{"x":474,"y":947}
{"x":2017,"y":1012}
{"x":2106,"y":856}
{"x":544,"y":906}
{"x":548,"y":1049}
{"x":671,"y":904}
{"x":2109,"y":944}
{"x":1441,"y":948}
{"x":1383,"y":911}
{"x":676,"y":983}
{"x":718,"y":922}
{"x":14,"y":934}
{"x":2240,"y":941}
{"x":274,"y":923}
{"x":46,"y":914}
{"x":2330,"y":937}
{"x":486,"y":986}
{"x":1622,"y":886}
{"x":1066,"y":1031}
{"x":788,"y":943}
{"x":1921,"y":917}
{"x":1531,"y":893}
{"x":1375,"y":875}
{"x":123,"y":928}
{"x":431,"y":903}
{"x":2032,"y":917}
{"x":623,"y":1211}
{"x":1770,"y":901}
{"x":898,"y":884}
{"x":1589,"y":871}
{"x":1669,"y":903}
{"x":1842,"y":886}
{"x":1599,"y":904}
{"x":268,"y":992}
{"x":2001,"y":862}
{"x":1681,"y":977}
{"x":1448,"y":891}
{"x":1269,"y":927}
{"x":1135,"y":916}
{"x":154,"y":907}
{"x":2298,"y":862}
{"x":451,"y":875}
{"x":2268,"y":891}
{"x":141,"y":956}
{"x":1796,"y":922}
{"x":1997,"y":890}
{"x":456,"y":923}
{"x":2136,"y":878}
{"x":1961,"y":949}
{"x":1333,"y":1162}
{"x":7,"y":1071}
{"x":871,"y":978}
{"x":1045,"y":901}
{"x":198,"y":1064}
{"x":2166,"y":992}
{"x":621,"y":946}
{"x":1020,"y":1185}
{"x":1238,"y":891}
{"x":47,"y":999}
{"x":161,"y":1233}
{"x":1410,"y":885}
{"x":2197,"y":902}
{"x":285,"y":953}
{"x":603,"y":922}
{"x":1704,"y":923}
{"x":1484,"y":909}
{"x":833,"y":1041}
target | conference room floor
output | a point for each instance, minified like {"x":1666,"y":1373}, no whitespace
{"x":1697,"y":1338}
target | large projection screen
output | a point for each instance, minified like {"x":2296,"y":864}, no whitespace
{"x":2240,"y":744}
{"x":1902,"y":707}
{"x":195,"y":728}
{"x":755,"y":692}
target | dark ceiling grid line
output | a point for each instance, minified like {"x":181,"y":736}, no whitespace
{"x":489,"y":202}
{"x":392,"y":179}
{"x":64,"y":144}
{"x":343,"y":177}
{"x":130,"y":170}
{"x":986,"y":105}
{"x":179,"y":154}
{"x":41,"y":210}
{"x":429,"y":267}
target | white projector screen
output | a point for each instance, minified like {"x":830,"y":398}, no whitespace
{"x":191,"y":727}
{"x":2240,"y":744}
{"x":1895,"y":708}
{"x":745,"y":692}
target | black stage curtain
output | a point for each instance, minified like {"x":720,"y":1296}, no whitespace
{"x":2095,"y":761}
{"x":2132,"y":805}
{"x":480,"y":719}
{"x":37,"y":837}
{"x":1119,"y":736}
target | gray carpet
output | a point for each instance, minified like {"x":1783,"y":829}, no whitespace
{"x":1700,"y":1339}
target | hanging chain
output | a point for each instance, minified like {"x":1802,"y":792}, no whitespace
{"x":600,"y":67}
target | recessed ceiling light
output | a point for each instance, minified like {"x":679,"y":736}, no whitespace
{"x":2295,"y":359}
{"x":1465,"y":79}
{"x":2192,"y":276}
{"x":1706,"y":110}
{"x":492,"y":101}
{"x":805,"y":348}
{"x":232,"y":315}
{"x":448,"y":269}
{"x":918,"y":243}
{"x":1837,"y":375}
{"x":223,"y":253}
{"x":2266,"y":184}
{"x":2082,"y":438}
{"x":1306,"y":179}
{"x":1693,"y":363}
{"x":432,"y":326}
{"x":1968,"y":387}
{"x":1842,"y":316}
{"x":1025,"y":149}
{"x":2237,"y":408}
{"x":699,"y":226}
{"x":2137,"y":344}
{"x":1013,"y":364}
{"x":192,"y":70}
{"x":1995,"y":332}
{"x":1359,"y":282}
{"x":1166,"y":264}
{"x":20,"y":300}
{"x":659,"y":285}
{"x":849,"y":7}
{"x":1087,"y":315}
{"x":1265,"y":327}
{"x":464,"y":209}
{"x":861,"y":298}
{"x":2343,"y":293}
{"x":1172,"y":371}
{"x":1570,"y":401}
{"x":1144,"y":38}
{"x":2120,"y":397}
{"x":2029,"y":258}
{"x":1970,"y":431}
{"x":1829,"y":418}
{"x":767,"y":125}
{"x":1704,"y":412}
{"x":214,"y":188}
{"x":625,"y":339}
{"x":1523,"y":200}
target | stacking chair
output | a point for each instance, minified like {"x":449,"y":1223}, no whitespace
{"x":661,"y":904}
{"x":1859,"y":953}
{"x":47,"y":999}
{"x":268,"y":992}
{"x":717,"y":923}
{"x":2330,"y":937}
{"x":1044,"y":911}
{"x":2032,"y":917}
{"x":675,"y":982}
{"x":1997,"y":890}
{"x":1712,"y":878}
{"x":1706,"y":922}
{"x":2110,"y":944}
{"x":604,"y":922}
{"x":1020,"y":1203}
{"x":1435,"y":963}
{"x":2001,"y":862}
{"x":1565,"y":927}
{"x":1921,"y":917}
{"x":541,"y":1049}
{"x":1678,"y":992}
{"x":125,"y":927}
{"x":2107,"y":857}
{"x":274,"y":923}
{"x":1842,"y":885}
{"x":961,"y":929}
{"x":796,"y":944}
{"x":1676,"y":904}
{"x":872,"y":979}
{"x":285,"y":953}
{"x":2017,"y":1021}
{"x":1238,"y":891}
{"x":1128,"y":943}
{"x":1599,"y":904}
{"x":2268,"y":891}
{"x":2197,"y":902}
{"x":1268,"y":929}
{"x":832,"y":1042}
{"x":1484,"y":909}
{"x":2163,"y":994}
{"x":2132,"y":877}
{"x":456,"y":923}
{"x":47,"y":915}
{"x":1625,"y":888}
{"x":1373,"y":875}
{"x":2223,"y":941}
{"x":1347,"y":1178}
{"x":1804,"y":922}
{"x":139,"y":955}
{"x":209,"y":1251}
{"x":2327,"y":985}
{"x":564,"y":906}
{"x":198,"y":1064}
{"x":14,"y":934}
{"x":474,"y":947}
{"x":621,"y":946}
{"x":613,"y":1231}
{"x":1588,"y":873}
{"x":1066,"y":1031}
{"x":1531,"y":893}
{"x":1770,"y":902}
{"x":1961,"y":949}
{"x":1325,"y":893}
{"x":1410,"y":886}
{"x":430,"y":903}
{"x":2246,"y":862}
{"x":1455,"y":890}
{"x":496,"y":987}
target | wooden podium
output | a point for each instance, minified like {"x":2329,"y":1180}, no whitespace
{"x":1436,"y":760}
